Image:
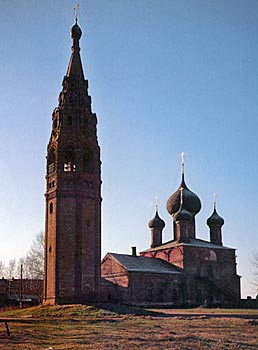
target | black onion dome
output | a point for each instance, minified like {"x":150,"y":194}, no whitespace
{"x":191,"y":201}
{"x":76,"y":32}
{"x":183,"y":215}
{"x":215,"y":219}
{"x":156,"y":222}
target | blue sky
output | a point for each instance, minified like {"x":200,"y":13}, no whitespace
{"x":165,"y":76}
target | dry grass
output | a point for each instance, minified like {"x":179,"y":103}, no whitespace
{"x":70,"y":328}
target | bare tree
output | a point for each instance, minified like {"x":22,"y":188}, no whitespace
{"x":2,"y":269}
{"x":34,"y":261}
{"x":11,"y":269}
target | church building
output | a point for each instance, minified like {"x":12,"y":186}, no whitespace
{"x":183,"y":271}
{"x":197,"y":272}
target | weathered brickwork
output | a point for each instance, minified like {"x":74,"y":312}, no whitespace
{"x":73,"y":200}
{"x":210,"y":272}
{"x":205,"y":271}
{"x":137,"y":284}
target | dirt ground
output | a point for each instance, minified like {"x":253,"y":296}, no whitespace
{"x":132,"y":332}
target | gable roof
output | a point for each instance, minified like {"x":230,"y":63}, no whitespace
{"x":143,"y":264}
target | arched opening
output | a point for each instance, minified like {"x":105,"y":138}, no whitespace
{"x":51,"y":208}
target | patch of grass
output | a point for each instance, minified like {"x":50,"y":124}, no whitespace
{"x":131,"y":332}
{"x":77,"y":311}
{"x":200,"y":310}
{"x":111,"y":326}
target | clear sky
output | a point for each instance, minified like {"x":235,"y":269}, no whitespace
{"x":165,"y":76}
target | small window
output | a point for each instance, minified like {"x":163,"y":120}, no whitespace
{"x":69,"y":120}
{"x":50,"y":249}
{"x":51,"y":208}
{"x":68,"y":166}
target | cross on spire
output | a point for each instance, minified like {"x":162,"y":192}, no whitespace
{"x":157,"y":203}
{"x":76,"y":12}
{"x":215,"y":197}
{"x":183,"y":162}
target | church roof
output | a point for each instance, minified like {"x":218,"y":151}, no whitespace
{"x":143,"y":264}
{"x":193,"y":243}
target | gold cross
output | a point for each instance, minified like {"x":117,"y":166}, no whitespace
{"x":214,"y":195}
{"x":157,"y":203}
{"x":76,"y":12}
{"x":183,"y":162}
{"x":183,"y":157}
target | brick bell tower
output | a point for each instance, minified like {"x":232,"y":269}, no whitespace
{"x":73,"y":198}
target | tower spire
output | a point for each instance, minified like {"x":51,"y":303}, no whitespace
{"x":75,"y":69}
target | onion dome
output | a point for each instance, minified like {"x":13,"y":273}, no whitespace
{"x":156,"y":222}
{"x":191,"y":201}
{"x":183,"y":215}
{"x":76,"y":32}
{"x":215,"y":219}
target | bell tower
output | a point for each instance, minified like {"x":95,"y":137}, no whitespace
{"x":73,"y":196}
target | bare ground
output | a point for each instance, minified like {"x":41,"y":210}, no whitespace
{"x":75,"y":330}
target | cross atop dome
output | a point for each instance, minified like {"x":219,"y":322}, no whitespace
{"x":157,"y":203}
{"x":76,"y":12}
{"x":214,"y":196}
{"x":183,"y":162}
